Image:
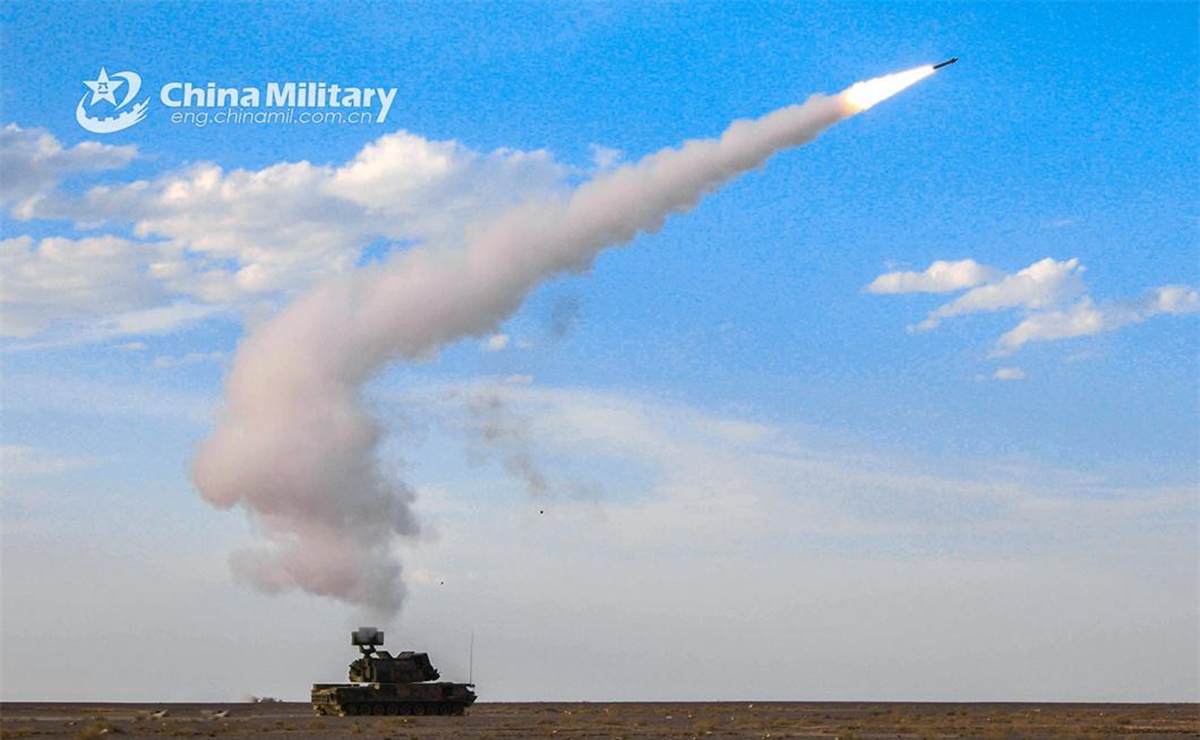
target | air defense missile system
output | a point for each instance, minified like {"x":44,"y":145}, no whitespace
{"x":382,"y":683}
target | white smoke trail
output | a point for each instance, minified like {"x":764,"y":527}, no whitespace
{"x":295,"y":445}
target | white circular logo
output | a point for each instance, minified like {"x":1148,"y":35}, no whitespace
{"x":103,"y":93}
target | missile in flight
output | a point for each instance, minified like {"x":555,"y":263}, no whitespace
{"x":951,"y":60}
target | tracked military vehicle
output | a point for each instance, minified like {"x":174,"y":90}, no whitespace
{"x":382,"y":683}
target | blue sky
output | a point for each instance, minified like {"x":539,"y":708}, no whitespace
{"x":1065,"y":132}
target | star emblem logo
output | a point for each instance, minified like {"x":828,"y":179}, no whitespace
{"x":103,"y":87}
{"x":112,"y":115}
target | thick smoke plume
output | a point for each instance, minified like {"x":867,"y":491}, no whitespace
{"x":296,"y":446}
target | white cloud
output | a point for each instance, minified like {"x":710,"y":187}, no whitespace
{"x":283,"y":226}
{"x":1081,"y":319}
{"x":72,"y":280}
{"x":1004,"y":373}
{"x":495,"y":342}
{"x":1042,"y":284}
{"x":430,"y":187}
{"x":1086,"y":317}
{"x":236,"y":238}
{"x":1038,"y":291}
{"x":157,"y":320}
{"x":605,"y":158}
{"x":1170,"y":299}
{"x":34,"y":162}
{"x":1009,"y":373}
{"x":939,"y":277}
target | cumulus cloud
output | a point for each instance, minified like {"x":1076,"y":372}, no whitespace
{"x":212,"y":237}
{"x":34,"y":162}
{"x":1039,"y":291}
{"x":939,"y":277}
{"x":244,"y":233}
{"x":1044,"y":283}
{"x":72,"y":280}
{"x":426,"y":188}
{"x":1086,"y":317}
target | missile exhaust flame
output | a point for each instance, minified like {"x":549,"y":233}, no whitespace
{"x":863,"y":95}
{"x":296,"y":445}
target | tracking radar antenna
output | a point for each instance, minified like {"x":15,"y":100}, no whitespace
{"x":366,"y":639}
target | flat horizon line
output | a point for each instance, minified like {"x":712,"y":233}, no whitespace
{"x":930,"y":702}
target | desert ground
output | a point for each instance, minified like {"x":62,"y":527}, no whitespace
{"x":714,"y":721}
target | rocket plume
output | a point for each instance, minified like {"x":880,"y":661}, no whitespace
{"x":295,"y":445}
{"x":863,"y":95}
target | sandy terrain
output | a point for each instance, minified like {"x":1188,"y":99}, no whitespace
{"x":713,"y":721}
